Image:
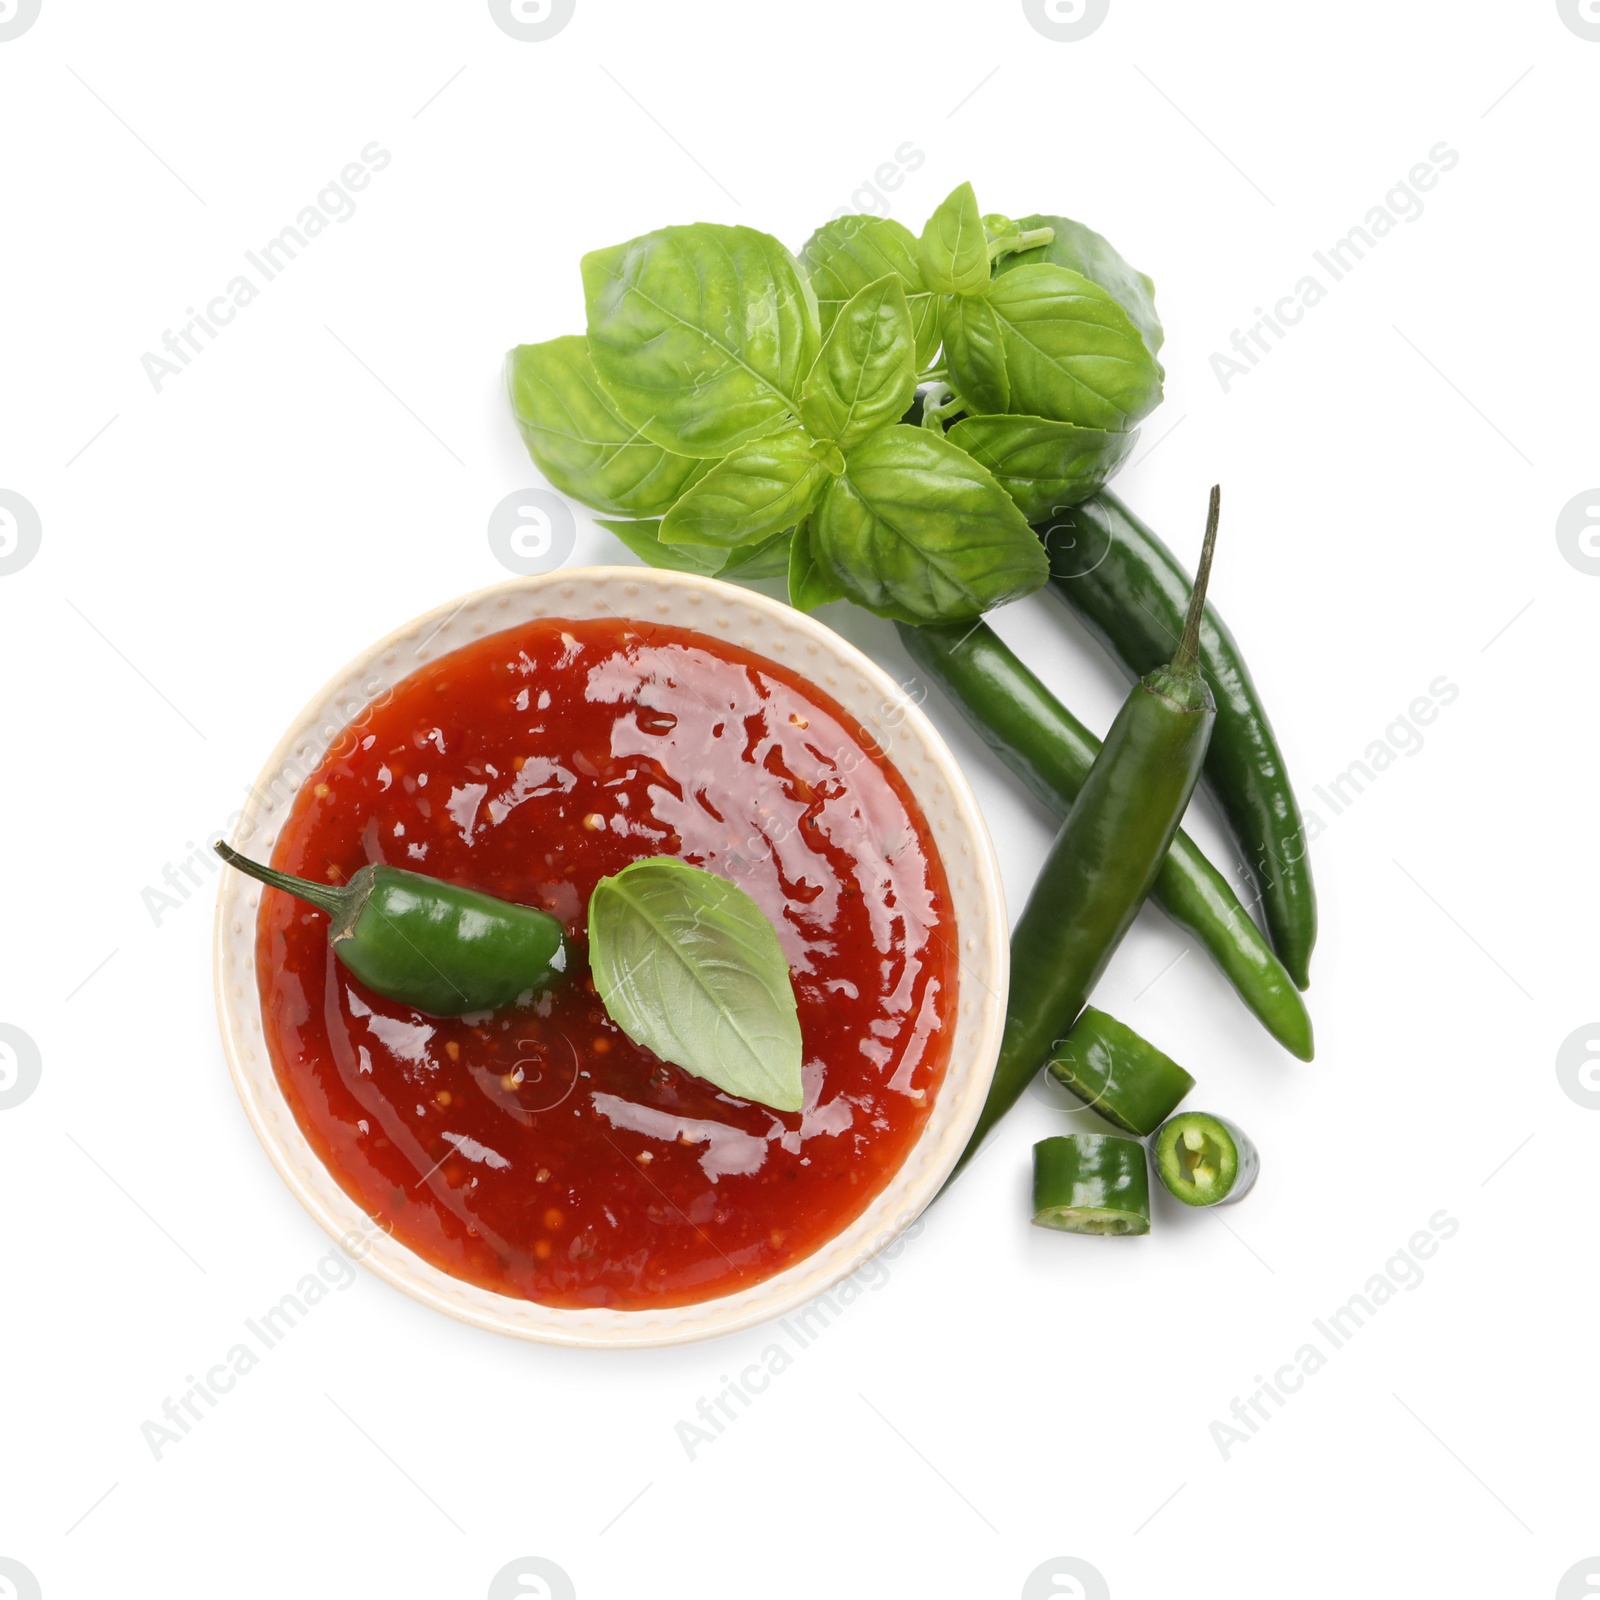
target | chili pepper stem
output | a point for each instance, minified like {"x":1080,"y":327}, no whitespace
{"x":1188,"y":652}
{"x":324,"y":897}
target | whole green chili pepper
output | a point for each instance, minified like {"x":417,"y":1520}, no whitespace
{"x":1128,"y":587}
{"x":1105,"y":858}
{"x":438,"y":947}
{"x":1051,"y":751}
{"x":1204,"y":1160}
{"x":1091,"y":1183}
{"x":1117,"y":1073}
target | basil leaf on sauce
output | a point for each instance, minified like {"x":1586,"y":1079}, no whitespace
{"x":687,"y":965}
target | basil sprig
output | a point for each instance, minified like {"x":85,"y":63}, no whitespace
{"x":743,"y":410}
{"x":687,"y":965}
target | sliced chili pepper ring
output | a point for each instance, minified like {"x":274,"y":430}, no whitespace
{"x":1204,"y":1160}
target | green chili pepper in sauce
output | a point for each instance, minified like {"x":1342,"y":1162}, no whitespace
{"x":1117,"y":1073}
{"x":1204,"y":1160}
{"x":1091,"y":1183}
{"x":1051,"y":751}
{"x":1105,"y":859}
{"x":436,"y":946}
{"x":1128,"y":587}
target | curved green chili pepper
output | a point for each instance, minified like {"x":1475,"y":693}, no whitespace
{"x":1128,"y":587}
{"x":1105,"y":858}
{"x":1115,"y":1072}
{"x":1204,"y":1160}
{"x":1051,"y":751}
{"x":1091,"y":1183}
{"x":436,"y":946}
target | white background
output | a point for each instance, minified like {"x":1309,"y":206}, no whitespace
{"x":325,"y":470}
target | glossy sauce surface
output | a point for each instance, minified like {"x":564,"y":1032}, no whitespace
{"x":539,"y":1152}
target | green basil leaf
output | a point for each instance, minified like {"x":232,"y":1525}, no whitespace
{"x":866,"y":375}
{"x":810,"y":585}
{"x":644,"y":540}
{"x":846,"y":255}
{"x":1000,"y":230}
{"x":579,"y":440}
{"x":1044,"y":466}
{"x":686,"y":964}
{"x":918,"y":531}
{"x":769,"y":560}
{"x":701,"y":335}
{"x":974,"y":346}
{"x":1082,"y":250}
{"x":761,"y":489}
{"x":1069,"y":353}
{"x":954,"y":246}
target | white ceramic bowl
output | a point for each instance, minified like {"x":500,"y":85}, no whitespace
{"x":756,"y":623}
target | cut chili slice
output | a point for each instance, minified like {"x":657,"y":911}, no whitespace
{"x":1091,"y":1183}
{"x":1119,"y":1074}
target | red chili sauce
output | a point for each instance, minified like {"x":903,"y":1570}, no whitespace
{"x":539,"y":1152}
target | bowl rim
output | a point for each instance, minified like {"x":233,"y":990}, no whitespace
{"x":983,"y":952}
